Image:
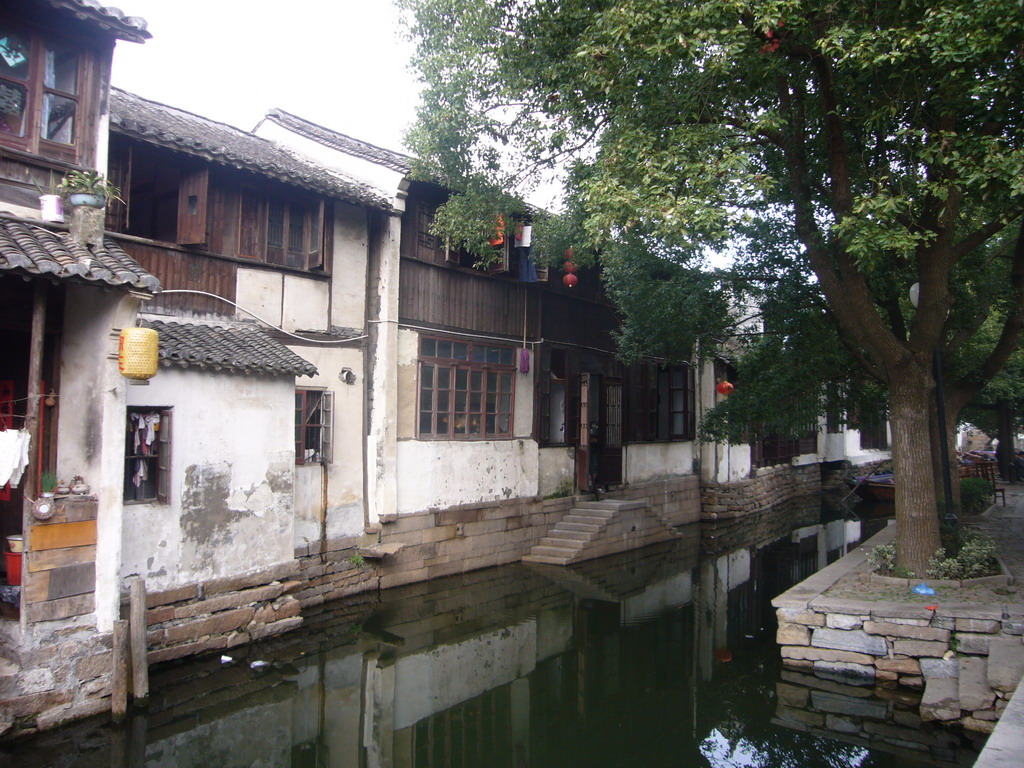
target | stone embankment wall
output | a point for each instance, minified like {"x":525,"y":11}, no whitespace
{"x":441,"y":542}
{"x":965,"y":658}
{"x":770,"y":486}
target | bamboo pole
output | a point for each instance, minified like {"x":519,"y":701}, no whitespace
{"x":137,"y":632}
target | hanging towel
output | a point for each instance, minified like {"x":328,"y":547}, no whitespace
{"x":14,"y":450}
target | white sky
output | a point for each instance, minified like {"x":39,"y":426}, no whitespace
{"x":339,"y":63}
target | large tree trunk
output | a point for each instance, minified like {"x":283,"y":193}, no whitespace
{"x":917,"y":523}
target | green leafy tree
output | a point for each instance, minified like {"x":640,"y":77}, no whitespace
{"x":877,"y":145}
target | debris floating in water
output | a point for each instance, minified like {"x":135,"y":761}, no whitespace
{"x":258,"y":664}
{"x":226,"y":659}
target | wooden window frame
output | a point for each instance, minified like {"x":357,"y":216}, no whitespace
{"x":36,"y":91}
{"x":316,"y":435}
{"x":302,"y":244}
{"x":662,"y":407}
{"x":463,"y":383}
{"x":158,"y":460}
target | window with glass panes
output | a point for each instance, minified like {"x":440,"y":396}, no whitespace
{"x":466,"y":389}
{"x":41,"y":109}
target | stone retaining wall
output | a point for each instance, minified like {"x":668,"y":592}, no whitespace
{"x":965,"y":658}
{"x":769,"y":486}
{"x":441,"y":542}
{"x":222,"y":613}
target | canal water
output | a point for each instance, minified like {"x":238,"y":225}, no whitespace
{"x":661,"y":657}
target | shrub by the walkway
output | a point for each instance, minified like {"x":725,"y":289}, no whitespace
{"x":975,"y":495}
{"x":972,"y":555}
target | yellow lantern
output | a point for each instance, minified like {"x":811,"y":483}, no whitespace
{"x":137,"y":353}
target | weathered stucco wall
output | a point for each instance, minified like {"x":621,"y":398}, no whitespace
{"x":92,"y":400}
{"x":259,"y":291}
{"x":443,"y":473}
{"x":231,"y":479}
{"x":329,"y":497}
{"x":556,"y":469}
{"x":348,"y":288}
{"x":650,"y":461}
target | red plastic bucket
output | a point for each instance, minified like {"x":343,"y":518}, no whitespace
{"x":13,"y":568}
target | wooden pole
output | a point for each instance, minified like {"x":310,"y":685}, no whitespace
{"x":137,"y":627}
{"x":33,"y":386}
{"x":120,"y":672}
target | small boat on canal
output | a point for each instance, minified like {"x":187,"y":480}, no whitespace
{"x":880,"y":486}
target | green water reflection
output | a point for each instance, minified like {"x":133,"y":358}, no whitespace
{"x":663,"y":657}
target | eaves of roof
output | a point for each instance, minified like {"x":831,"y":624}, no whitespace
{"x":172,"y":128}
{"x":32,"y":248}
{"x":236,"y":348}
{"x":386,"y":158}
{"x":111,"y":20}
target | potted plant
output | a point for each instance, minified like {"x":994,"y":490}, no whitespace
{"x":90,"y":188}
{"x":48,"y":483}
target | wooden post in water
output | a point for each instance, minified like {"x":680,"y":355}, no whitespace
{"x":120,"y":672}
{"x":137,"y":617}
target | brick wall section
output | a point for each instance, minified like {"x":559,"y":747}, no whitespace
{"x":770,"y":487}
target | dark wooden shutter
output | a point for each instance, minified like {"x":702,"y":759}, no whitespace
{"x":316,"y":235}
{"x":192,"y":205}
{"x":250,"y":221}
{"x":163,"y":480}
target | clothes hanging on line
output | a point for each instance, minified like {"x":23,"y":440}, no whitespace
{"x":14,"y":452}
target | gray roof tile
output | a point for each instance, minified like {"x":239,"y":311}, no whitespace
{"x":224,"y":144}
{"x":387,"y":158}
{"x":112,"y":20}
{"x":31,"y":248}
{"x":236,"y":348}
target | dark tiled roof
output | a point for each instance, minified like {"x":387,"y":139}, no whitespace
{"x":112,"y":20}
{"x":183,"y":131}
{"x":387,"y":158}
{"x":242,"y":349}
{"x":33,"y":249}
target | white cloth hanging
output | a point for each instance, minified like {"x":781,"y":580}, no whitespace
{"x":14,"y":450}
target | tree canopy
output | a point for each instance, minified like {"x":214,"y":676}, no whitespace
{"x":843,"y":150}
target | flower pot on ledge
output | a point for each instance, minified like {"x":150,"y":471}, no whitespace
{"x":88,"y":199}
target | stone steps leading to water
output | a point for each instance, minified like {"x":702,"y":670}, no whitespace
{"x":597,"y":528}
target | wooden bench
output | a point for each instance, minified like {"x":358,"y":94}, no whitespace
{"x":987,"y":471}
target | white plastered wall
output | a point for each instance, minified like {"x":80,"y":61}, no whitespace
{"x":232,"y":469}
{"x":334,"y":508}
{"x":90,"y":435}
{"x":653,"y":461}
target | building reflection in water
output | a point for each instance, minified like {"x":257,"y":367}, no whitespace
{"x":661,"y":657}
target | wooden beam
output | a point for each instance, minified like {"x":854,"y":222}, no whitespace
{"x":137,"y":619}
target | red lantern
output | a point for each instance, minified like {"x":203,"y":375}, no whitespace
{"x":570,"y":280}
{"x":724,"y":655}
{"x":499,"y":233}
{"x":724,"y":388}
{"x":569,"y":267}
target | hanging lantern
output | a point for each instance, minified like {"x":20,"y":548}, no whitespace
{"x":569,"y":266}
{"x":570,"y":280}
{"x":499,"y":233}
{"x":724,"y":388}
{"x":137,"y":353}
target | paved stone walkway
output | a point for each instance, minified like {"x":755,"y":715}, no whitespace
{"x":1006,"y":526}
